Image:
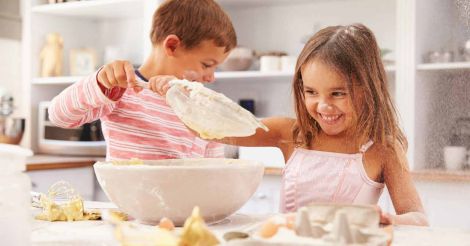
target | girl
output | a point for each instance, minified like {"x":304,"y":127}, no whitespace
{"x":345,"y":144}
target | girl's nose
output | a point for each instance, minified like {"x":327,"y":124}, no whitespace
{"x":324,"y":106}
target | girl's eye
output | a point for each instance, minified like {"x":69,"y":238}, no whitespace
{"x":310,"y":92}
{"x":338,"y":93}
{"x":206,"y":65}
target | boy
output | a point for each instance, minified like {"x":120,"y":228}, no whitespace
{"x":190,"y":38}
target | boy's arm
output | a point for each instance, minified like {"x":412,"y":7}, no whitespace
{"x":83,"y":102}
{"x":94,"y":96}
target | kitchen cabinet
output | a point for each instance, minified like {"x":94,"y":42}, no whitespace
{"x":45,"y":170}
{"x":266,"y":198}
{"x":82,"y":179}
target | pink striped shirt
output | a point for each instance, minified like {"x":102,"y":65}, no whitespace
{"x":135,"y":125}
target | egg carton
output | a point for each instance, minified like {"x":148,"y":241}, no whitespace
{"x":321,"y":224}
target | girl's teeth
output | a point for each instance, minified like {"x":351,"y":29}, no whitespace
{"x":330,"y":118}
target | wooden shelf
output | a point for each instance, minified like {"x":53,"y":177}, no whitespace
{"x":444,"y":66}
{"x":426,"y":175}
{"x":63,"y":80}
{"x":95,"y":9}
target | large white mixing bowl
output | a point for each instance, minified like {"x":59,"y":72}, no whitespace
{"x":171,"y":188}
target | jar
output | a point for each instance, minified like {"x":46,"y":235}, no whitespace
{"x":15,"y":198}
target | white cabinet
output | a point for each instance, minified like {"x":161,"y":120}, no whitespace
{"x":445,"y":203}
{"x":266,"y":199}
{"x":82,"y":179}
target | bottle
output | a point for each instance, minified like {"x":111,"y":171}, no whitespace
{"x":15,"y":198}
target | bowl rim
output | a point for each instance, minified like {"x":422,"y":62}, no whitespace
{"x":171,"y":164}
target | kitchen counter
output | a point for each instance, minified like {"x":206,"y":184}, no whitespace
{"x":47,"y":162}
{"x":102,"y":233}
{"x":438,"y":175}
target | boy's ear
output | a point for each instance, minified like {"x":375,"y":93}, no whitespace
{"x":171,"y":43}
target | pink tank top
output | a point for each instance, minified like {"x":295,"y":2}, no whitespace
{"x":318,"y":176}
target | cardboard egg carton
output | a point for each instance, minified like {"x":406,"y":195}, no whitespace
{"x":325,"y":224}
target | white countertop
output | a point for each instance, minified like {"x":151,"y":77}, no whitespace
{"x":101,"y":233}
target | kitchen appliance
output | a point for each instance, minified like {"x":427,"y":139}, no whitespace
{"x":11,"y":128}
{"x":85,"y":140}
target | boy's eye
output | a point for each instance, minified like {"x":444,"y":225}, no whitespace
{"x":206,"y":65}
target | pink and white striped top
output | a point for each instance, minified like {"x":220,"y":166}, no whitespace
{"x":135,"y":125}
{"x":327,"y":177}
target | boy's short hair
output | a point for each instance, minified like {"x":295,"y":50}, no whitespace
{"x":193,"y":21}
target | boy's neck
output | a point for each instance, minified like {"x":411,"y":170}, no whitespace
{"x":153,"y":65}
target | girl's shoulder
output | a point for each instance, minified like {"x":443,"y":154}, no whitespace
{"x":387,"y":154}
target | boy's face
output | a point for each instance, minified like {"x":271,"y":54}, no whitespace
{"x":197,"y":63}
{"x":327,"y":98}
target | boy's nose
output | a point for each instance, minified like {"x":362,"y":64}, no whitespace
{"x":209,"y":77}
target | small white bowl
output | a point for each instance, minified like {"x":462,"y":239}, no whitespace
{"x":171,"y":188}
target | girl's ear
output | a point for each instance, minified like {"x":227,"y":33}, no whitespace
{"x":171,"y":43}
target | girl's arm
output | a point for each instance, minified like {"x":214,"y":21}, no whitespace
{"x":279,"y":132}
{"x":405,"y":198}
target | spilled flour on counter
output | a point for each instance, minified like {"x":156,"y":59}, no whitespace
{"x":211,"y":114}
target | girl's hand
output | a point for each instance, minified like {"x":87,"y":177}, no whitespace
{"x":159,"y":84}
{"x":117,"y":74}
{"x":385,"y":218}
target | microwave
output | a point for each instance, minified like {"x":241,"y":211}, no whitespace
{"x":86,"y":140}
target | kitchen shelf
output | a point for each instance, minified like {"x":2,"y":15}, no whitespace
{"x":66,"y":80}
{"x":253,"y":3}
{"x":253,"y":75}
{"x":63,"y":80}
{"x":444,"y":66}
{"x":96,"y":9}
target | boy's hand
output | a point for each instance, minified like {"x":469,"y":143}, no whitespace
{"x":117,"y":74}
{"x":159,"y":84}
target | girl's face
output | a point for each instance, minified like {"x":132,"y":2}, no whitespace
{"x":327,"y":98}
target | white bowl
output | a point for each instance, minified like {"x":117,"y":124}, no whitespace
{"x":171,"y":188}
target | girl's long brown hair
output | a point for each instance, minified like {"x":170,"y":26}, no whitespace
{"x":352,"y":51}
